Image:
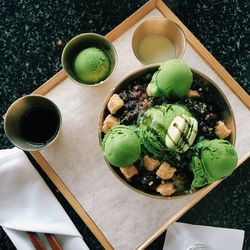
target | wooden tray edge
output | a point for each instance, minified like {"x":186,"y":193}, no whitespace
{"x":131,"y":20}
{"x":114,"y":34}
{"x":51,"y":83}
{"x":71,"y":199}
{"x":206,"y":55}
{"x":181,"y":212}
{"x":193,"y":41}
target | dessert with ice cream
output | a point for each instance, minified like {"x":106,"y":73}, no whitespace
{"x":121,"y":146}
{"x":212,"y":160}
{"x":164,"y":133}
{"x":173,"y":79}
{"x":169,"y":127}
{"x":92,"y":65}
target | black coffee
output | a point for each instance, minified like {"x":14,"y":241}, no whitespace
{"x":39,"y":125}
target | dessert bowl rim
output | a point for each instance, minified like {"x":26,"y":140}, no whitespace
{"x":101,"y":119}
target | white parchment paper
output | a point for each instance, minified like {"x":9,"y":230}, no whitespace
{"x":125,"y":217}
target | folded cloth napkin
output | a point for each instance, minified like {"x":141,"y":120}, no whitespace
{"x":27,"y":204}
{"x":180,"y":236}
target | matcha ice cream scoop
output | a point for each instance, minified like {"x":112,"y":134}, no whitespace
{"x":173,"y":79}
{"x":213,"y":160}
{"x":121,"y":146}
{"x":167,"y":127}
{"x":92,"y":65}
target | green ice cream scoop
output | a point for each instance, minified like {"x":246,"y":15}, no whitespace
{"x":92,"y":65}
{"x":173,"y":79}
{"x":154,"y":125}
{"x":121,"y":146}
{"x":214,"y":160}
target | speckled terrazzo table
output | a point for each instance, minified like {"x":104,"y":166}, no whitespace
{"x":33,"y":35}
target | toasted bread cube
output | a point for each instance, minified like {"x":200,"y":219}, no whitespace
{"x":115,"y":103}
{"x":165,"y":171}
{"x":150,"y":164}
{"x":109,"y":122}
{"x":193,"y":94}
{"x":129,"y":172}
{"x":166,"y":189}
{"x":221,"y":130}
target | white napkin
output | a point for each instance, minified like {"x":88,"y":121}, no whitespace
{"x":181,"y":235}
{"x":27,"y":204}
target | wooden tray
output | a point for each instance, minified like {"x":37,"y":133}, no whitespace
{"x":119,"y":217}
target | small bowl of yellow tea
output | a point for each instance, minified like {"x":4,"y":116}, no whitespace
{"x":158,"y":39}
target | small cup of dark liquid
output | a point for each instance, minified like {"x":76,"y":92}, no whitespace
{"x":32,"y":122}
